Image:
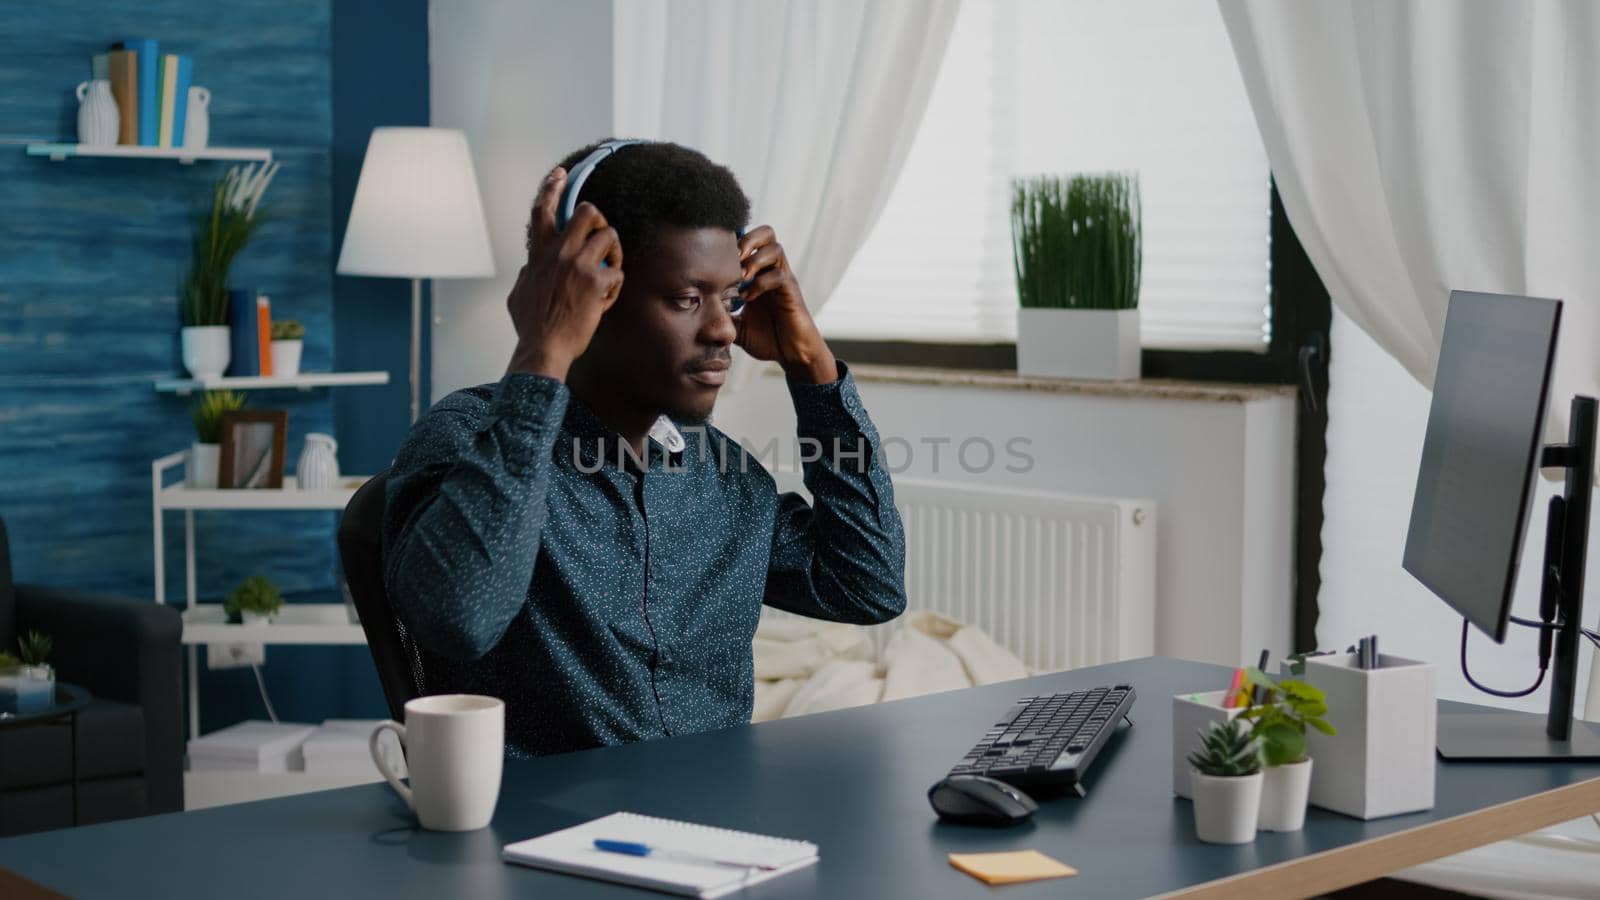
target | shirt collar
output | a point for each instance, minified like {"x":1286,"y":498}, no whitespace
{"x":590,"y":435}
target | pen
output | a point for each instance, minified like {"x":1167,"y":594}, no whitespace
{"x":1258,"y":693}
{"x":632,"y":848}
{"x":1233,"y":689}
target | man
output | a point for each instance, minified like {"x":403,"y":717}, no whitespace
{"x":575,"y":539}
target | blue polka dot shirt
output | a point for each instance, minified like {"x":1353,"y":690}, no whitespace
{"x":608,"y":603}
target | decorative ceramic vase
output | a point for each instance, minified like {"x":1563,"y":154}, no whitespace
{"x":205,"y":350}
{"x":204,"y":461}
{"x":254,"y":618}
{"x":197,"y":119}
{"x":99,"y":122}
{"x":1284,"y":792}
{"x":1078,"y":343}
{"x":318,"y":468}
{"x":286,"y":358}
{"x":1225,"y":809}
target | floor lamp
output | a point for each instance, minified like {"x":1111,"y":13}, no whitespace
{"x":417,"y":214}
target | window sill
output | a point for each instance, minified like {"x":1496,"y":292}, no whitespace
{"x":997,"y":379}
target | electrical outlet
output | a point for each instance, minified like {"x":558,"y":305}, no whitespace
{"x":235,"y":655}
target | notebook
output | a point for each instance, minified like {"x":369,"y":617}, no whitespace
{"x":572,"y":851}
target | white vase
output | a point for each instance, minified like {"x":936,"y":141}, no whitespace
{"x":201,"y":471}
{"x":99,"y":122}
{"x":254,"y":618}
{"x":1284,"y":792}
{"x":197,"y":118}
{"x":205,"y":350}
{"x":318,"y":468}
{"x":286,"y":358}
{"x":1078,"y":343}
{"x":1225,"y":809}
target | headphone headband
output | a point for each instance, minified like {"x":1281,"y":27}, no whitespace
{"x":579,"y":174}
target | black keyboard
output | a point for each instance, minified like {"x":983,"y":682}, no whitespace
{"x":1049,"y":741}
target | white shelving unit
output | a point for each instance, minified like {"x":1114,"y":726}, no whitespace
{"x":206,"y":623}
{"x":184,"y":155}
{"x":305,"y":381}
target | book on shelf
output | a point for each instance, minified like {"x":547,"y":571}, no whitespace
{"x":245,"y":350}
{"x":148,"y":103}
{"x":124,"y":66}
{"x":173,"y":90}
{"x":264,"y":333}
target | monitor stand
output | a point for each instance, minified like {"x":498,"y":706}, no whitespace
{"x":1486,"y":733}
{"x":1482,"y":733}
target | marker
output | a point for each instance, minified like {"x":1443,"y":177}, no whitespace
{"x":1228,"y":701}
{"x":631,"y":848}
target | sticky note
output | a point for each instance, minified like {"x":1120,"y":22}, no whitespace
{"x":1010,"y":868}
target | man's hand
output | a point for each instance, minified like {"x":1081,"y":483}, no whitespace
{"x":775,"y":323}
{"x":561,"y":293}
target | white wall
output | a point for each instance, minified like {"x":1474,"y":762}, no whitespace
{"x":1222,"y":473}
{"x":529,"y":81}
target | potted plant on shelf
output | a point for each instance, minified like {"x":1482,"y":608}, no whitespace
{"x":255,"y":601}
{"x":1077,"y":253}
{"x":1225,"y":782}
{"x":221,"y":231}
{"x":205,"y":455}
{"x":1280,"y":720}
{"x":287,"y":338}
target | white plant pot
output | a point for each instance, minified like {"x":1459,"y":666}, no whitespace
{"x":1225,"y":809}
{"x":205,"y":350}
{"x":254,"y":618}
{"x":201,"y":471}
{"x":286,"y":358}
{"x":1078,"y":343}
{"x":1284,"y":792}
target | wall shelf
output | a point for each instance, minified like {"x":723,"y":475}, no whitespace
{"x":304,"y":381}
{"x":181,"y":496}
{"x":296,"y":623}
{"x":184,"y":155}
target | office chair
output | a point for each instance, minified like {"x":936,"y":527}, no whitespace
{"x":361,"y":549}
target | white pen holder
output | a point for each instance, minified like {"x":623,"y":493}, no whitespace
{"x":1191,"y":714}
{"x":1381,"y":763}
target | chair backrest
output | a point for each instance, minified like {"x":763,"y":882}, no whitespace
{"x":361,"y":548}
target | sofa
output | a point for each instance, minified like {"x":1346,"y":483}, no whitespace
{"x":126,"y":652}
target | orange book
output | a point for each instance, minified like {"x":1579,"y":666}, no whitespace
{"x":125,"y":88}
{"x":264,"y":332}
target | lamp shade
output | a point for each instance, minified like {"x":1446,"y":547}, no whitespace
{"x":417,"y":213}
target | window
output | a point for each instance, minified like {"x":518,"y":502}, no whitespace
{"x":1059,"y":86}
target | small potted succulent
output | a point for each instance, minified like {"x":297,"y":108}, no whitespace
{"x":255,"y":601}
{"x":287,"y":338}
{"x":205,"y":456}
{"x":1279,"y":721}
{"x":1225,"y":781}
{"x":27,"y":685}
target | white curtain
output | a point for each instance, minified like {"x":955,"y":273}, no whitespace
{"x":1423,"y":146}
{"x":812,"y":103}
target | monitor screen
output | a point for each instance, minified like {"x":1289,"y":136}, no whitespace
{"x":1481,"y":452}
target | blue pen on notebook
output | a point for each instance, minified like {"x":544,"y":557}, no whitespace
{"x":632,"y":848}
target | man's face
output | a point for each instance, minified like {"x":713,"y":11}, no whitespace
{"x":665,"y":345}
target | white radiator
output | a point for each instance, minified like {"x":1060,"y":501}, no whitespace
{"x":1060,"y":580}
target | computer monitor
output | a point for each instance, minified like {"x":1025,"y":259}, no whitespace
{"x":1482,"y":451}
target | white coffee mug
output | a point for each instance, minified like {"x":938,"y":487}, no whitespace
{"x":453,"y":746}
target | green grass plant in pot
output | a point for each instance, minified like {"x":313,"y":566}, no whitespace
{"x":205,"y":455}
{"x":1077,"y":249}
{"x":1225,"y":782}
{"x":222,"y":229}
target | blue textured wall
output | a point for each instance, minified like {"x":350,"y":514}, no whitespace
{"x":91,"y":253}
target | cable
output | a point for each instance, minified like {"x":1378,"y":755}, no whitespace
{"x":271,"y":714}
{"x":1485,"y":688}
{"x":1591,"y":634}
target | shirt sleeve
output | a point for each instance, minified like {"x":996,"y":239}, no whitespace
{"x":843,"y":556}
{"x":465,"y":504}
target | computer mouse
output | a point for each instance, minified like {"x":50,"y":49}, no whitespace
{"x":980,"y":800}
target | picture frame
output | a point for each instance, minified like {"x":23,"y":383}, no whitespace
{"x":253,"y":447}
